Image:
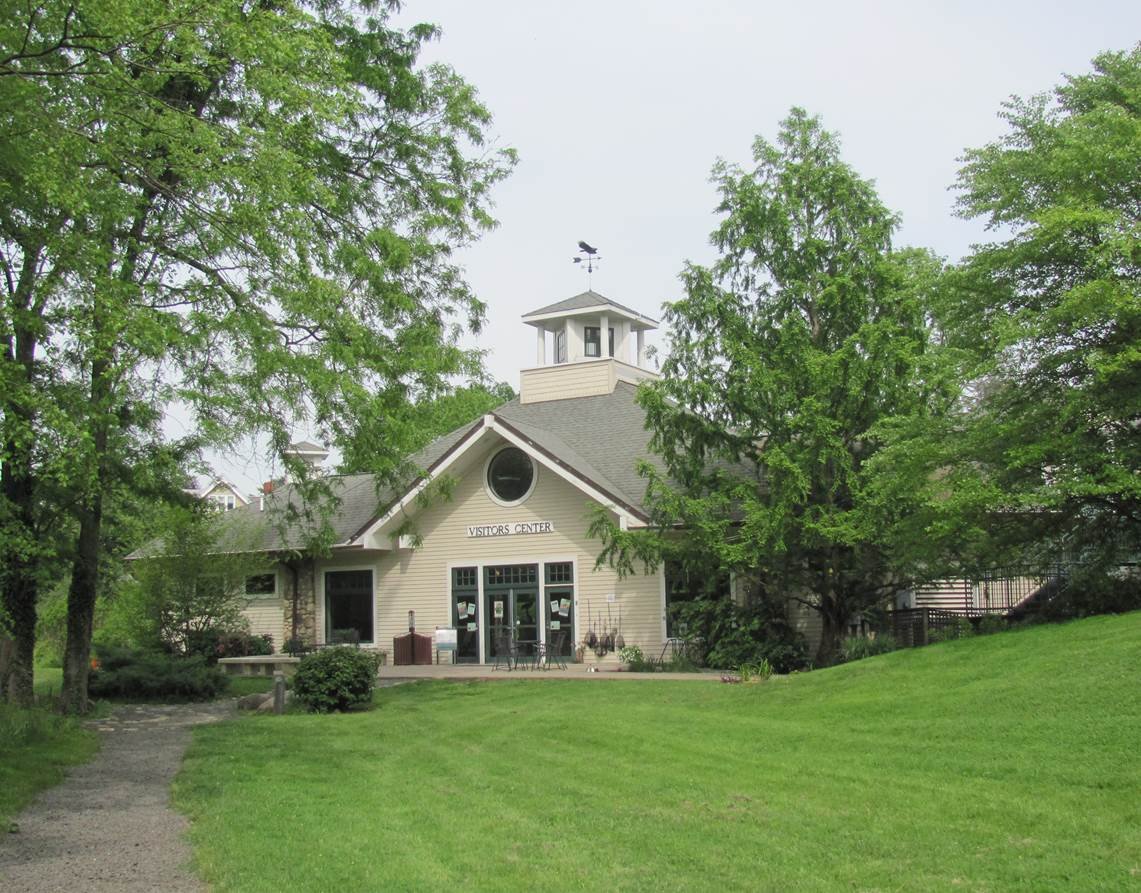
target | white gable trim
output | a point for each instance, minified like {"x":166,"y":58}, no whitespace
{"x":489,"y":425}
{"x":625,"y":517}
{"x":401,"y":504}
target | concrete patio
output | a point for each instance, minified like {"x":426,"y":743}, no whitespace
{"x":467,"y":672}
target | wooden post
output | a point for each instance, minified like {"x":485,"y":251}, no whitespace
{"x":278,"y":693}
{"x":924,"y":626}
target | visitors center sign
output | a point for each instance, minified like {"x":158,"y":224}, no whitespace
{"x":518,"y":528}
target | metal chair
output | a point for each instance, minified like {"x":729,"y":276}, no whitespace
{"x":675,"y":646}
{"x":506,"y":655}
{"x":554,"y":651}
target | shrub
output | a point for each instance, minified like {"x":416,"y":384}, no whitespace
{"x":681,"y":663}
{"x":339,"y":678}
{"x":732,"y":636}
{"x":1089,"y":592}
{"x":214,"y":644}
{"x":635,"y":659}
{"x":958,"y":629}
{"x":145,"y":675}
{"x":757,"y":672}
{"x":859,"y":647}
{"x":295,"y":647}
{"x":990,"y":623}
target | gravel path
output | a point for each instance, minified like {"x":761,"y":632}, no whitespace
{"x":109,"y":825}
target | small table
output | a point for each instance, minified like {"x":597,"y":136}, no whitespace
{"x":527,"y":651}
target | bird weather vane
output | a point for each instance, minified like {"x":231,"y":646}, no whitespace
{"x":591,"y":256}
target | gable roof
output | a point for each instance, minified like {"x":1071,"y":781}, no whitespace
{"x":595,"y":442}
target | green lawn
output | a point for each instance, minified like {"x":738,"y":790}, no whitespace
{"x":1010,"y":762}
{"x":36,"y":747}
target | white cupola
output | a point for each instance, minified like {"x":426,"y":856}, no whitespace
{"x":585,"y":345}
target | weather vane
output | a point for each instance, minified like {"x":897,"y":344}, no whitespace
{"x":591,"y":256}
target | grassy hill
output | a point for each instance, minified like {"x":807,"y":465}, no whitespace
{"x":1010,"y":762}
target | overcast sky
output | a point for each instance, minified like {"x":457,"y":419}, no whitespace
{"x":619,"y":109}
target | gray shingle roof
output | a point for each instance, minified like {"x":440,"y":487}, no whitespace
{"x":599,"y":439}
{"x":254,"y":528}
{"x":586,"y":301}
{"x":603,"y":437}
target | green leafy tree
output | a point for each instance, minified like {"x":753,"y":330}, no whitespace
{"x":192,"y":579}
{"x":785,"y":355}
{"x":246,"y":209}
{"x":1040,"y":463}
{"x":433,"y":418}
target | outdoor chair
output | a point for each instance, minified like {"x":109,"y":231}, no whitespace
{"x":674,"y":647}
{"x":552,"y":652}
{"x":506,"y":654}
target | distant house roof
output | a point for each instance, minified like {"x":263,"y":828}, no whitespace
{"x":588,"y":300}
{"x":214,"y":486}
{"x":307,"y":446}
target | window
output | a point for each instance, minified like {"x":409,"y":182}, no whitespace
{"x":560,"y":347}
{"x":348,"y":606}
{"x":261,"y":584}
{"x":510,"y":574}
{"x":510,"y":475}
{"x":224,"y":501}
{"x":560,"y":572}
{"x":592,"y":341}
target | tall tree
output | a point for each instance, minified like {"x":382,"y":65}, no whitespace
{"x":784,"y":356}
{"x":246,"y":208}
{"x":1041,"y":463}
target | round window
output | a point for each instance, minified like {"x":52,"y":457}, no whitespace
{"x":510,"y":475}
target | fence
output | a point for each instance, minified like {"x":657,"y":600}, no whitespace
{"x":912,"y":627}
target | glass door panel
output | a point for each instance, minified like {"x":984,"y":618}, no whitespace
{"x":497,"y":618}
{"x":559,"y":609}
{"x":467,"y":627}
{"x":525,"y":618}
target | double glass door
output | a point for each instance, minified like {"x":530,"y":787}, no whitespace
{"x":514,"y":614}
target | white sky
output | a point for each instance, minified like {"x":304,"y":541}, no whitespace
{"x":619,"y":109}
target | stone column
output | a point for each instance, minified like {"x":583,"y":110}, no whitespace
{"x":306,"y":601}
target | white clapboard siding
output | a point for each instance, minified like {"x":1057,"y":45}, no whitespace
{"x":266,"y":617}
{"x":944,"y":595}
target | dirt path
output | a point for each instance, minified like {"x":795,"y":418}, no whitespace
{"x":109,"y":825}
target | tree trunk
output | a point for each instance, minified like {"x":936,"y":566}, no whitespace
{"x":84,"y":587}
{"x":20,"y":592}
{"x":832,"y":623}
{"x":81,"y":610}
{"x":19,"y":583}
{"x":19,"y":577}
